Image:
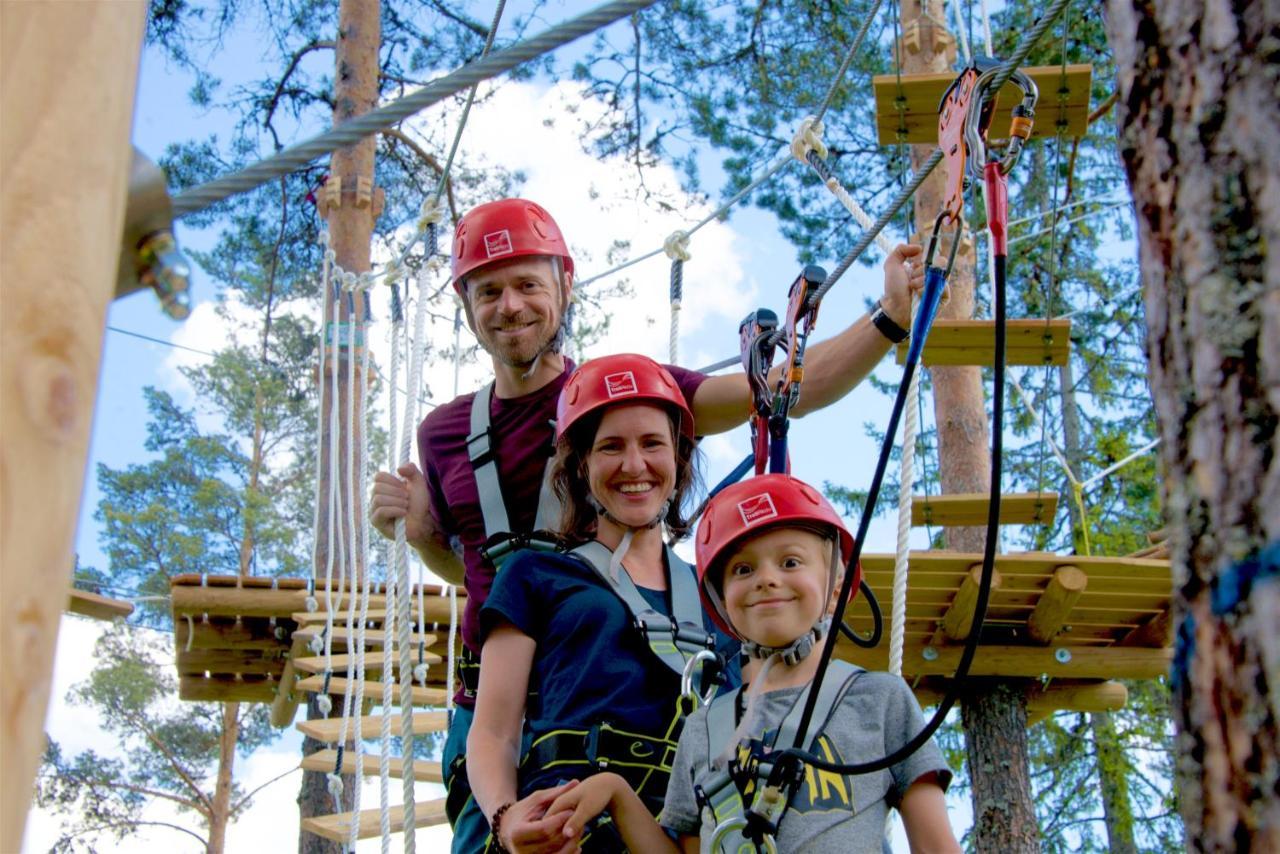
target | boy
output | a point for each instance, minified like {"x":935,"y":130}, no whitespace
{"x":769,"y":553}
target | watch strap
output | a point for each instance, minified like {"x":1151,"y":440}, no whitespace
{"x":886,"y":324}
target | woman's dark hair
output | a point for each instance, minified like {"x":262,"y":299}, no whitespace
{"x":569,"y":479}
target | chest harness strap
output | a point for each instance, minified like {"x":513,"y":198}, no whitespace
{"x":721,"y":790}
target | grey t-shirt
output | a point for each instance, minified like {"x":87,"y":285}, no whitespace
{"x":830,"y":812}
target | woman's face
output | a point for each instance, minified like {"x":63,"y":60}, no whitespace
{"x":631,"y":468}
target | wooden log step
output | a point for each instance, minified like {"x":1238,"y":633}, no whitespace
{"x":88,"y":604}
{"x":971,"y":508}
{"x":330,"y":729}
{"x":219,"y":600}
{"x":913,"y":106}
{"x":338,"y":825}
{"x":375,"y":615}
{"x":371,"y":636}
{"x":1028,"y":341}
{"x":373,"y":690}
{"x":340,"y":663}
{"x":323,"y":760}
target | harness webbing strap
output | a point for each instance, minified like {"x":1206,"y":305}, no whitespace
{"x":673,"y":639}
{"x":719,"y":791}
{"x":484,"y":462}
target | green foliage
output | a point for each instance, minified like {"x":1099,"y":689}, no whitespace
{"x":163,"y":751}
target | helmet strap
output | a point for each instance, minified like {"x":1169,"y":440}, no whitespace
{"x":796,"y":651}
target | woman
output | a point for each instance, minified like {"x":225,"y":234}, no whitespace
{"x":563,"y":651}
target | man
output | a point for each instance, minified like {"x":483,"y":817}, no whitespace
{"x":484,"y":453}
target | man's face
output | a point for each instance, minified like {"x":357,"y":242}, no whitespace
{"x":516,"y":307}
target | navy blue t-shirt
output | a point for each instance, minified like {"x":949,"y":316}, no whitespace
{"x":591,"y":665}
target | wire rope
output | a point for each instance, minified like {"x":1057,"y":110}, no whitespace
{"x":348,"y":133}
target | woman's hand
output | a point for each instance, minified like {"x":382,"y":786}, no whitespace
{"x":529,"y":826}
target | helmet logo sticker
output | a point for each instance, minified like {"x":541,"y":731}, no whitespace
{"x":620,"y":384}
{"x":498,"y":243}
{"x":757,"y":508}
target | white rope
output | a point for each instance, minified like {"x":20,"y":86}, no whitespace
{"x":986,"y":28}
{"x":1113,"y":468}
{"x":906,"y":484}
{"x":808,"y":137}
{"x":964,"y":40}
{"x":451,"y":667}
{"x":677,"y":248}
{"x":404,"y":601}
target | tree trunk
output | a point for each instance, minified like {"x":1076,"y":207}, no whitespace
{"x":1113,"y":775}
{"x":350,"y":226}
{"x":995,"y":715}
{"x":1198,"y":121}
{"x":220,"y":813}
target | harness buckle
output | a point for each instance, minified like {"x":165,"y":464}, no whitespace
{"x":483,"y":455}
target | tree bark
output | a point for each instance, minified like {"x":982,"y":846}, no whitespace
{"x":995,"y":715}
{"x":350,"y":227}
{"x":1198,"y":120}
{"x":220,"y":814}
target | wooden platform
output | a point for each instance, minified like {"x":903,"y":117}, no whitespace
{"x":1028,"y":341}
{"x":98,"y":607}
{"x":422,"y":696}
{"x":920,"y":95}
{"x":958,"y":509}
{"x":233,"y":637}
{"x":337,"y":826}
{"x":323,"y":761}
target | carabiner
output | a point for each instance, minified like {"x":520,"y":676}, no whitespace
{"x":738,"y":823}
{"x":686,"y":679}
{"x":975,"y":131}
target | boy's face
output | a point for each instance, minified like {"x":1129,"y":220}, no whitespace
{"x":775,"y":585}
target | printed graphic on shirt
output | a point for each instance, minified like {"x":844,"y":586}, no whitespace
{"x":757,"y":508}
{"x":822,"y":791}
{"x":498,"y":243}
{"x":620,"y":384}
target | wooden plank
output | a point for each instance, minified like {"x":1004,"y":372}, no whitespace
{"x":330,"y":729}
{"x":69,"y":75}
{"x":920,"y":95}
{"x":1054,"y":608}
{"x":323,"y":761}
{"x":1109,"y":662}
{"x":227,"y":633}
{"x":373,"y":690}
{"x":337,"y":827}
{"x":341,"y":663}
{"x":99,"y":607}
{"x":197,"y":662}
{"x":1025,"y":563}
{"x":225,"y":688}
{"x":1043,"y":701}
{"x":1028,"y":341}
{"x":371,"y":636}
{"x":1018,"y":508}
{"x":217,"y":600}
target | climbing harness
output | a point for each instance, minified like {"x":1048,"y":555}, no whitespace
{"x":752,"y":776}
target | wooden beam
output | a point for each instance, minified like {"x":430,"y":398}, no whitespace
{"x":1076,"y":697}
{"x":284,"y":705}
{"x":340,"y":663}
{"x":324,"y":760}
{"x":98,"y":607}
{"x":330,"y":729}
{"x":1055,"y":605}
{"x":913,"y":106}
{"x":958,"y":620}
{"x":223,"y":688}
{"x":220,"y":601}
{"x":197,"y":662}
{"x":1108,"y":662}
{"x":972,"y":508}
{"x":373,"y":690}
{"x":68,"y":74}
{"x":225,"y":633}
{"x":337,"y":827}
{"x":1157,"y":632}
{"x":1037,"y":564}
{"x":1028,"y":341}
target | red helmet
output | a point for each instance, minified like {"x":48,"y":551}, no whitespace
{"x":624,"y":378}
{"x":507,"y":228}
{"x":749,"y":507}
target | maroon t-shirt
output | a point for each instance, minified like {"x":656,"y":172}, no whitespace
{"x":523,"y":436}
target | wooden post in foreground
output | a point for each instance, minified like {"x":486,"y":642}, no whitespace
{"x":68,"y":72}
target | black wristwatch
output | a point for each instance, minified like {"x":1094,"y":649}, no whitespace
{"x":887,"y":325}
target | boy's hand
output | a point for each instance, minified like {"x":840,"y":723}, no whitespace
{"x":529,"y":826}
{"x":585,"y":801}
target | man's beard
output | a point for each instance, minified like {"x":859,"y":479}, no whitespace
{"x":522,"y":355}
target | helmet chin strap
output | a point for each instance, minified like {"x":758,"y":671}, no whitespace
{"x":629,"y":531}
{"x":796,"y":651}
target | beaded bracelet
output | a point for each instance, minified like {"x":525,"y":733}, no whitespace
{"x":495,"y":825}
